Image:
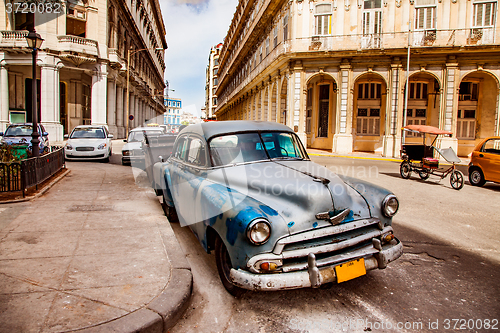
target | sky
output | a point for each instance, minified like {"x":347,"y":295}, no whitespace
{"x":193,"y":27}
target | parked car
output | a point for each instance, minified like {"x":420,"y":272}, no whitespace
{"x":485,"y":162}
{"x":275,"y":219}
{"x":19,"y":134}
{"x":92,"y":142}
{"x":132,"y":151}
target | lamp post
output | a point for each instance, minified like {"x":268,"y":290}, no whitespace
{"x":34,"y":43}
{"x":129,"y":53}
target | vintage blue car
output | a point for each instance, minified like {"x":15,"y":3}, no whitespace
{"x":275,"y":219}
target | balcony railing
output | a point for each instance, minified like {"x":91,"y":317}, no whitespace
{"x":13,"y":38}
{"x":78,"y":44}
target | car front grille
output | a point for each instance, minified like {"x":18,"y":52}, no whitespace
{"x":84,"y":148}
{"x":330,"y":245}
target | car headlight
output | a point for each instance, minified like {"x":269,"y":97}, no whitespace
{"x":259,"y":231}
{"x":102,"y":146}
{"x":390,"y":205}
{"x":125,"y":152}
{"x":69,"y":147}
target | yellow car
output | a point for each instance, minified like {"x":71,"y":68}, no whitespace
{"x":485,"y":162}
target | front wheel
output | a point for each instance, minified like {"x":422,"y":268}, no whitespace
{"x":457,"y":179}
{"x":224,"y":266}
{"x":476,"y":177}
{"x":405,"y":170}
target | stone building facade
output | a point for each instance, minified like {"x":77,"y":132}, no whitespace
{"x":82,"y":64}
{"x":336,"y":70}
{"x":212,"y":81}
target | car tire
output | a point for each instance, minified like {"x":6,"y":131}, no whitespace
{"x":224,"y":267}
{"x":476,"y":177}
{"x":405,"y":170}
{"x":424,"y":174}
{"x":170,"y":212}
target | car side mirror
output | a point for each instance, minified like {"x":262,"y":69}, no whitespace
{"x":110,"y":136}
{"x":66,"y":136}
{"x":161,"y":158}
{"x":45,"y":134}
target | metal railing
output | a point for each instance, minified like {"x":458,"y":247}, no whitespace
{"x":22,"y":175}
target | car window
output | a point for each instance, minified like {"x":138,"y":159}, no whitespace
{"x":492,"y":146}
{"x":237,"y":148}
{"x":181,"y":148}
{"x":19,"y":130}
{"x":88,"y":133}
{"x":196,"y":154}
{"x":282,"y":145}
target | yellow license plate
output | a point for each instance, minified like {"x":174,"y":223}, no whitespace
{"x":350,"y":270}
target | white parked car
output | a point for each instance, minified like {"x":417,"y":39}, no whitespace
{"x":92,"y":142}
{"x":132,"y":150}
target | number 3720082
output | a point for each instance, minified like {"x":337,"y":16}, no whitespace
{"x":471,"y":324}
{"x":34,"y":8}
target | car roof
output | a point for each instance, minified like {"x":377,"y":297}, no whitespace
{"x":154,"y":128}
{"x":214,"y":128}
{"x":90,"y":126}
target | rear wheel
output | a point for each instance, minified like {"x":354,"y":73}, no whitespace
{"x":476,"y":177}
{"x":457,"y":180}
{"x":224,"y":266}
{"x":405,"y":170}
{"x":169,"y":212}
{"x":424,"y":174}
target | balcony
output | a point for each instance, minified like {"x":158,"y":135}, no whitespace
{"x":78,"y":44}
{"x":13,"y":38}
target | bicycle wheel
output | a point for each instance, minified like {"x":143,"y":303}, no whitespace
{"x":405,"y":170}
{"x":424,"y":174}
{"x":457,"y":180}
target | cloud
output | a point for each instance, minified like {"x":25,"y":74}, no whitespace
{"x":193,"y":27}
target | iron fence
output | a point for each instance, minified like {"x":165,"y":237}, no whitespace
{"x":22,"y":175}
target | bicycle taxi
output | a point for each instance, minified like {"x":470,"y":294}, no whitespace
{"x":419,"y":158}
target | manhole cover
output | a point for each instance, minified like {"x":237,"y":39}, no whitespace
{"x":90,"y":208}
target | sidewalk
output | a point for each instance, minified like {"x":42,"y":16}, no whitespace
{"x":94,"y":253}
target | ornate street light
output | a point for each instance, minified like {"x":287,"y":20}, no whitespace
{"x":34,"y":42}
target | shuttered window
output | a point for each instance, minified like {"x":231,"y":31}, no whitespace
{"x":323,"y":20}
{"x":484,"y":14}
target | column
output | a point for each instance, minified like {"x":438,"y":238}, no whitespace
{"x":4,"y":96}
{"x":449,"y":105}
{"x":392,"y":138}
{"x":120,"y":112}
{"x":99,"y":95}
{"x":113,"y":129}
{"x":50,"y":99}
{"x":342,"y":140}
{"x":132,"y":111}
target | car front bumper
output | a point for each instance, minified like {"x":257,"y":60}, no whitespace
{"x":315,"y":276}
{"x":80,"y":155}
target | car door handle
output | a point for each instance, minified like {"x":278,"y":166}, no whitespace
{"x":481,"y":155}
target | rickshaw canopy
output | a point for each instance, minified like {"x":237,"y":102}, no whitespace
{"x":426,"y":129}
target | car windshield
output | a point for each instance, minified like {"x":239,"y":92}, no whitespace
{"x":251,"y":147}
{"x":138,"y":136}
{"x":19,"y":130}
{"x":89,"y":133}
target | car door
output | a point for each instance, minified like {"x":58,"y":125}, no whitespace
{"x":489,"y":158}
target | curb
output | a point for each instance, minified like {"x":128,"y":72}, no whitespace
{"x":165,"y":309}
{"x":41,"y":192}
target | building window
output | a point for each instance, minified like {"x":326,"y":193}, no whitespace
{"x":369,"y":90}
{"x":24,"y":21}
{"x":425,"y":18}
{"x":260,"y":54}
{"x":468,"y":91}
{"x":418,"y":90}
{"x":368,"y":121}
{"x":216,"y":61}
{"x":323,"y":20}
{"x":216,"y":81}
{"x":372,"y":17}
{"x":76,"y":21}
{"x":466,"y":124}
{"x":416,"y":117}
{"x":275,"y":37}
{"x":216,"y":70}
{"x":215,"y":101}
{"x":484,"y":14}
{"x":324,"y":110}
{"x":285,"y":28}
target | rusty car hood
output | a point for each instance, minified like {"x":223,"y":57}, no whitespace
{"x":296,"y":190}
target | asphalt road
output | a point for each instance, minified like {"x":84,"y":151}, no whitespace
{"x":447,"y":279}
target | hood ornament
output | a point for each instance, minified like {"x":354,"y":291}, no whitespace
{"x":334,"y":219}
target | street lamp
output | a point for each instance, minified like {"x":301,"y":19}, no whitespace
{"x":129,"y":53}
{"x":34,"y":42}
